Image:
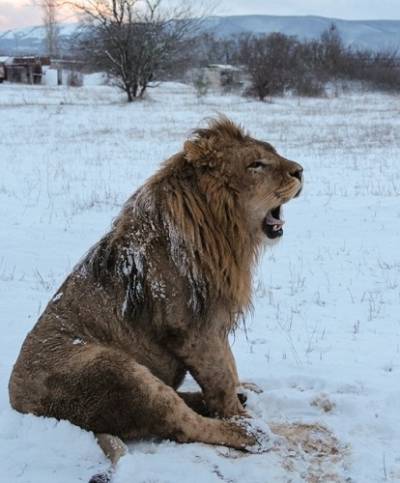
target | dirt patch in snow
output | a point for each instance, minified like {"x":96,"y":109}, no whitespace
{"x":312,"y":451}
{"x":324,"y":403}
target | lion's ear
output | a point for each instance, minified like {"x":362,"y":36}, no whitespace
{"x":200,"y":152}
{"x":193,"y":151}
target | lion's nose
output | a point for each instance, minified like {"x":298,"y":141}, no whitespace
{"x":297,"y":172}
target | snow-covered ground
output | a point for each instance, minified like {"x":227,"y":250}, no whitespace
{"x":324,"y":339}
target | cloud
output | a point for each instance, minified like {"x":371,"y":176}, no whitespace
{"x":18,"y":14}
{"x":23,"y":13}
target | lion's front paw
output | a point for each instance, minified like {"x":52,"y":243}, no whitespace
{"x":253,"y":436}
{"x":260,"y":437}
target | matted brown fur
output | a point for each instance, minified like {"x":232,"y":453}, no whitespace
{"x":156,"y":298}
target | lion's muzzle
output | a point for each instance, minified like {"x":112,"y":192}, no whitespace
{"x":273,"y":223}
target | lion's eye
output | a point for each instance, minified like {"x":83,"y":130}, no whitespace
{"x":256,"y":166}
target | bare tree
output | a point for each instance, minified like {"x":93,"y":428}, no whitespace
{"x":269,"y":62}
{"x":211,"y":49}
{"x":333,"y":55}
{"x":50,"y":22}
{"x":134,"y":41}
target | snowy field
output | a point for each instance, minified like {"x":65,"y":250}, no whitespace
{"x":324,"y":338}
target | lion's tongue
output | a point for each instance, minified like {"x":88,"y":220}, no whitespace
{"x":276,"y":223}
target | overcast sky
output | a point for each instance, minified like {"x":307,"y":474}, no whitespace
{"x":20,"y":13}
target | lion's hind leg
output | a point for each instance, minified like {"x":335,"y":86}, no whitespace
{"x":181,"y":416}
{"x":106,"y":391}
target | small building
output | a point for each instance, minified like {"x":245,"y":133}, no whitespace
{"x":223,"y":75}
{"x":24,"y":70}
{"x":220,"y":76}
{"x":73,"y":69}
{"x":3,"y":61}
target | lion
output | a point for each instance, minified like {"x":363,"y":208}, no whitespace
{"x":157,"y":297}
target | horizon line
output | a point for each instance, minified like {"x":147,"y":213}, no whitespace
{"x":35,"y":26}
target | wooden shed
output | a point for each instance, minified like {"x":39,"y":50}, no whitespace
{"x":24,"y":70}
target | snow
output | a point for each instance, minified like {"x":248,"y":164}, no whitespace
{"x":57,"y":297}
{"x":324,"y":339}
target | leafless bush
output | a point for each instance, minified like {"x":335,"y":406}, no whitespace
{"x":133,"y":41}
{"x":200,"y":82}
{"x":209,"y":49}
{"x":309,"y":86}
{"x":377,"y":70}
{"x":278,"y":64}
{"x":308,"y":77}
{"x":333,"y":54}
{"x":74,"y":79}
{"x":269,"y":61}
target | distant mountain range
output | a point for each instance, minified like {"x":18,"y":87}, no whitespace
{"x":30,"y":40}
{"x":372,"y":34}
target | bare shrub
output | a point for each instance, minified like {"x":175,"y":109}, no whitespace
{"x":377,"y":70}
{"x":268,"y":60}
{"x":213,"y":50}
{"x":308,"y":77}
{"x":200,"y":82}
{"x":333,"y":58}
{"x":308,"y":86}
{"x":133,"y":41}
{"x":278,"y":63}
{"x":74,"y":79}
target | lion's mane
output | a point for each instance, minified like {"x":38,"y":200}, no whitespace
{"x":189,"y":212}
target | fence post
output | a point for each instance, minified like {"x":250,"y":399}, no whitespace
{"x":59,"y":75}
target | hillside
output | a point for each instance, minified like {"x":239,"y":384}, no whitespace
{"x":373,"y":34}
{"x":31,"y":39}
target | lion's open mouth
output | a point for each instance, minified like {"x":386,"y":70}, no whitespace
{"x":272,"y":223}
